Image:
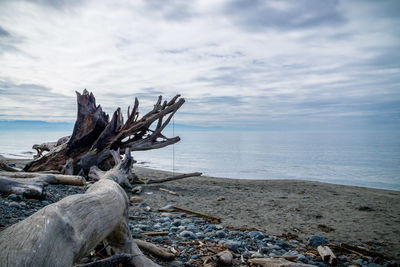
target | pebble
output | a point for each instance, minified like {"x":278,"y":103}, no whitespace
{"x":14,"y":204}
{"x":188,"y":234}
{"x":232,"y":245}
{"x":13,"y":197}
{"x":256,"y":235}
{"x":316,"y":241}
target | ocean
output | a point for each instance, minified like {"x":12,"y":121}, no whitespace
{"x":359,"y":158}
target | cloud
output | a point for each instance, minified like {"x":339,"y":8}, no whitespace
{"x":4,"y":33}
{"x":255,"y":15}
{"x":238,"y":63}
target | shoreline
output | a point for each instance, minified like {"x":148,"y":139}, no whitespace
{"x":342,"y":214}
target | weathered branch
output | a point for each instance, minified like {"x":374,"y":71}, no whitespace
{"x":173,"y":178}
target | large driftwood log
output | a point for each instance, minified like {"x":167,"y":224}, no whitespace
{"x":62,"y":233}
{"x":94,"y":136}
{"x":58,"y":178}
{"x":29,"y":188}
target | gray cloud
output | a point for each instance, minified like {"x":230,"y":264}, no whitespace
{"x":238,"y":63}
{"x":255,"y":15}
{"x":174,"y":10}
{"x":4,"y":33}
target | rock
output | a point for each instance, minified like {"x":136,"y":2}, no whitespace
{"x":188,"y":234}
{"x":256,"y":235}
{"x":144,"y":204}
{"x":176,"y":222}
{"x":13,"y":197}
{"x":220,"y":234}
{"x":137,"y":190}
{"x":316,"y":241}
{"x":232,"y":245}
{"x":302,"y":258}
{"x":220,"y":198}
{"x":219,"y":227}
{"x":173,"y":229}
{"x":264,"y":250}
{"x":14,"y":205}
{"x":177,"y":264}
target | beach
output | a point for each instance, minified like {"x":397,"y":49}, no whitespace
{"x":341,"y":214}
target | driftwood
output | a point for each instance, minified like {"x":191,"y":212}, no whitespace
{"x":113,"y":261}
{"x":327,"y":255}
{"x":205,"y":216}
{"x":4,"y":167}
{"x":62,"y":233}
{"x":58,"y":178}
{"x":156,"y":251}
{"x":29,"y":188}
{"x":173,"y":178}
{"x":275,"y":262}
{"x":168,"y":191}
{"x":95,"y":136}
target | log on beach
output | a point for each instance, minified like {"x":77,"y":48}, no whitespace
{"x":62,"y":233}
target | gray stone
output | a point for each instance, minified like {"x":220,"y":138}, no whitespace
{"x":220,"y":234}
{"x":177,"y":264}
{"x":316,"y":241}
{"x":232,"y":245}
{"x":14,"y":205}
{"x":174,"y":229}
{"x":264,"y":250}
{"x":176,"y":222}
{"x":188,"y":234}
{"x":256,"y":235}
{"x":13,"y":197}
{"x":302,"y":258}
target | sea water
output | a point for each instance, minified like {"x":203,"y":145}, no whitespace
{"x":364,"y":158}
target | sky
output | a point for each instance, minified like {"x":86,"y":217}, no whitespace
{"x":242,"y":64}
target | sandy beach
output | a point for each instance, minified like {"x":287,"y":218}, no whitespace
{"x":342,"y":214}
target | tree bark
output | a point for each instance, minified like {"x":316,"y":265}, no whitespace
{"x":94,"y":136}
{"x":62,"y":233}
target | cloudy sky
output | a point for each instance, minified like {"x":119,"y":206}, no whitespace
{"x":245,"y":63}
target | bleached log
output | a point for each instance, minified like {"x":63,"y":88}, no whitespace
{"x":327,"y":255}
{"x":62,"y":233}
{"x":156,"y":251}
{"x":29,"y":188}
{"x":59,"y":178}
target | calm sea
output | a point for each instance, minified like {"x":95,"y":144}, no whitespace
{"x":370,"y":159}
